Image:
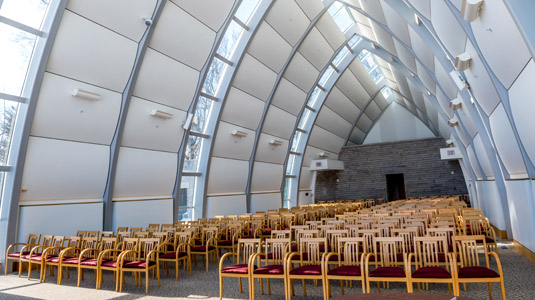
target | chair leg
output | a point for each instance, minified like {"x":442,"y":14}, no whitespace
{"x":220,"y":287}
{"x":79,"y":276}
{"x":176,"y":269}
{"x":502,"y":286}
{"x":146,"y":281}
{"x":342,"y":286}
{"x":269,"y":286}
{"x":490,"y":291}
{"x":304,"y":288}
{"x":241,"y":289}
{"x":207,"y":262}
{"x":261,"y":285}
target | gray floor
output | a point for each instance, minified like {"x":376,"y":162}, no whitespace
{"x":519,"y":276}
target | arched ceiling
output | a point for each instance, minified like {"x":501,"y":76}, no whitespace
{"x":258,"y":67}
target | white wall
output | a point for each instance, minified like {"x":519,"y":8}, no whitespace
{"x":521,"y":208}
{"x":263,"y":202}
{"x":226,"y":205}
{"x":142,"y":213}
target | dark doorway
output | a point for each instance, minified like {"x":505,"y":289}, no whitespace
{"x":395,"y":187}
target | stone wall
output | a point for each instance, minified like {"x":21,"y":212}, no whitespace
{"x":365,"y":167}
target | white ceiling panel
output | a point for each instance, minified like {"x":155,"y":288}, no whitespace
{"x":145,"y":173}
{"x":166,"y":81}
{"x":227,"y":145}
{"x":357,"y":136}
{"x":103,"y":12}
{"x":330,"y":30}
{"x":444,"y":129}
{"x":351,"y":87}
{"x":301,"y":73}
{"x":238,"y":102}
{"x":425,"y":78}
{"x":269,"y":47}
{"x":417,"y":96}
{"x":316,"y":49}
{"x":339,"y":103}
{"x":444,"y":104}
{"x":254,"y":78}
{"x":421,"y":49}
{"x":402,"y":83}
{"x":62,"y":170}
{"x":466,"y":119}
{"x":213,"y":17}
{"x":381,"y":101}
{"x":266,"y":177}
{"x":142,"y":130}
{"x":423,"y":7}
{"x":374,"y":9}
{"x":358,"y":70}
{"x":279,"y":123}
{"x":405,"y":56}
{"x":501,"y":42}
{"x":431,"y":110}
{"x":448,"y":29}
{"x":60,"y":115}
{"x":480,"y":82}
{"x":170,"y":41}
{"x":227,"y":176}
{"x":305,"y":179}
{"x":364,"y":123}
{"x":474,"y":162}
{"x":311,"y":8}
{"x":397,"y":24}
{"x":367,"y":32}
{"x":325,"y":140}
{"x":74,"y":54}
{"x":289,"y":97}
{"x":287,"y":18}
{"x":522,"y":108}
{"x":270,"y":153}
{"x":444,"y":79}
{"x":332,"y":121}
{"x":482,"y":156}
{"x":384,"y":38}
{"x":506,"y":144}
{"x":372,"y":111}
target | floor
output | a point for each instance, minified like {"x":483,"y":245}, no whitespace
{"x":519,"y":276}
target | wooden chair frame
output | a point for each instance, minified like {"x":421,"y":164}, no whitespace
{"x":246,"y":249}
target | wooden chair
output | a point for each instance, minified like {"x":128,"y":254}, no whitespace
{"x":246,"y":249}
{"x":310,"y":259}
{"x":13,"y":254}
{"x":429,"y":265}
{"x":81,"y":233}
{"x":89,"y":257}
{"x":53,"y":255}
{"x":94,"y":233}
{"x":181,"y":251}
{"x":471,"y":268}
{"x":349,"y":261}
{"x":121,"y":229}
{"x":273,"y":257}
{"x":121,"y":235}
{"x":109,"y":259}
{"x":36,"y":256}
{"x":232,"y":233}
{"x":70,"y":257}
{"x":387,"y":264}
{"x":145,"y":258}
{"x":135,"y":229}
{"x":208,"y":247}
{"x":106,"y":234}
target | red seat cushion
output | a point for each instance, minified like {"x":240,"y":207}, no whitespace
{"x":477,"y":272}
{"x":271,"y":269}
{"x":431,"y":272}
{"x":307,"y":270}
{"x":489,"y":240}
{"x":172,"y":255}
{"x":17,"y":254}
{"x":236,"y":269}
{"x":141,"y":264}
{"x":109,"y":264}
{"x":294,"y":248}
{"x":202,"y":248}
{"x":90,"y":262}
{"x":345,"y":271}
{"x":387,"y":272}
{"x":266,"y":231}
{"x":55,"y":259}
{"x":36,"y":257}
{"x":71,"y":260}
{"x":248,"y":237}
{"x":224,"y":243}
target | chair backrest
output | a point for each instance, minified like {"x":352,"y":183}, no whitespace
{"x":34,"y":239}
{"x":389,"y":247}
{"x":246,"y":248}
{"x":131,"y":243}
{"x":313,"y":224}
{"x":57,"y":241}
{"x":446,"y":232}
{"x":135,"y":229}
{"x":278,"y":247}
{"x":81,"y":233}
{"x":324,"y":228}
{"x":121,"y":235}
{"x":369,"y":236}
{"x":427,"y":250}
{"x":146,"y":245}
{"x":141,"y":234}
{"x":108,"y":243}
{"x":350,"y":248}
{"x":161,"y":236}
{"x":408,"y":235}
{"x":74,"y":241}
{"x":165,"y":227}
{"x":466,"y":247}
{"x":157,"y":226}
{"x":47,"y":240}
{"x":107,"y":234}
{"x":119,"y":229}
{"x":333,"y":236}
{"x":89,"y":242}
{"x":311,"y":246}
{"x":94,"y":233}
{"x":281,"y":234}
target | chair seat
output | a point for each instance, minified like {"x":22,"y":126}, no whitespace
{"x":335,"y":257}
{"x":225,"y":243}
{"x":237,"y":269}
{"x":266,"y":231}
{"x":307,"y":270}
{"x":17,"y":254}
{"x":202,"y":248}
{"x":431,"y":272}
{"x":489,"y":240}
{"x":90,"y":262}
{"x":294,"y":248}
{"x":172,"y":255}
{"x":71,"y":260}
{"x":35,"y":257}
{"x":112,"y":263}
{"x":248,"y":237}
{"x":477,"y":272}
{"x":271,"y":269}
{"x":138,"y":264}
{"x":387,"y":272}
{"x":55,"y":259}
{"x":345,"y":271}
